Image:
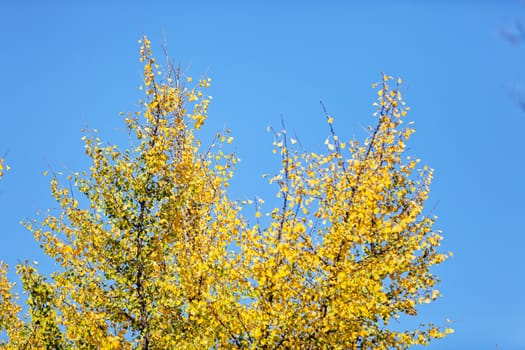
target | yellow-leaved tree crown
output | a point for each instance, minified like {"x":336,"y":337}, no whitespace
{"x":152,"y":253}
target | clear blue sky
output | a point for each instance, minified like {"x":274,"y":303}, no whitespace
{"x":66,"y":65}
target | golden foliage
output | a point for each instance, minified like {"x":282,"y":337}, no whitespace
{"x":154,"y":254}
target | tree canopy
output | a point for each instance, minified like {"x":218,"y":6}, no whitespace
{"x":152,"y":253}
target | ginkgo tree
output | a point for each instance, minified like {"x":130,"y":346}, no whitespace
{"x":152,"y":253}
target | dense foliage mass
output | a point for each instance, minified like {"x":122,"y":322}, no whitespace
{"x":151,"y":252}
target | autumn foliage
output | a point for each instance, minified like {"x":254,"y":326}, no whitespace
{"x":152,"y":253}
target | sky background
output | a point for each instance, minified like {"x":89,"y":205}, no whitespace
{"x":65,"y":66}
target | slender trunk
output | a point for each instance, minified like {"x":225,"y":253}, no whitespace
{"x":143,"y":312}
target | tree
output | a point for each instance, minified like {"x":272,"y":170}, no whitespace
{"x":153,"y":254}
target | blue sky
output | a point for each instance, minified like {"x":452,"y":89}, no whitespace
{"x":68,"y":65}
